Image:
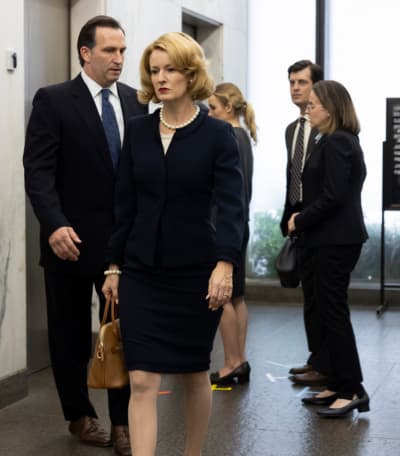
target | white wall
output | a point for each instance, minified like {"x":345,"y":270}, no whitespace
{"x":12,"y":200}
{"x":276,"y":40}
{"x":363,"y":55}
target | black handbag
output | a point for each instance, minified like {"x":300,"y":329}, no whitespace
{"x":286,"y":264}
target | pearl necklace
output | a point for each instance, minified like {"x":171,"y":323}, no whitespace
{"x":182,"y":125}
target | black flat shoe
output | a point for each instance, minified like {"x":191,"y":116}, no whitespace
{"x":239,"y":375}
{"x":361,"y":404}
{"x":313,"y":400}
{"x":301,"y":369}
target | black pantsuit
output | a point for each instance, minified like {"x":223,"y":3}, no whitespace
{"x":333,"y":266}
{"x":332,"y":227}
{"x":312,"y":324}
{"x":312,"y":321}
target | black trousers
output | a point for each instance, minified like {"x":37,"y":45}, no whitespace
{"x":314,"y":328}
{"x":69,"y":302}
{"x":332,"y":267}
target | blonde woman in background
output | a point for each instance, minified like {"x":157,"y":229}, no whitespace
{"x":227,"y":103}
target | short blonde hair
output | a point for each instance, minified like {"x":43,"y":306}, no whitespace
{"x":187,"y":56}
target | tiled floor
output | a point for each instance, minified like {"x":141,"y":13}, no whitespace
{"x":264,"y":418}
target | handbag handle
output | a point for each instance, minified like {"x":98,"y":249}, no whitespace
{"x":110,"y":301}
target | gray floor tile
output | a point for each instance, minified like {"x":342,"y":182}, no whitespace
{"x":263,"y":418}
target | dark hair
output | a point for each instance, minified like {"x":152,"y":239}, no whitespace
{"x":317,"y":73}
{"x":87,"y":35}
{"x":334,"y":97}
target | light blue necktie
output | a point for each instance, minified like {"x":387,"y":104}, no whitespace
{"x":110,"y":126}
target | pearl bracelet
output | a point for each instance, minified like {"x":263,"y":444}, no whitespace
{"x":112,"y":272}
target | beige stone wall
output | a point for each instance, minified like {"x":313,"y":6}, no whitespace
{"x":12,"y":199}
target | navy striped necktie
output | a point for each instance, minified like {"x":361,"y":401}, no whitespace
{"x":110,"y":126}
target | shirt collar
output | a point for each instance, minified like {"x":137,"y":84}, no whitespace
{"x":95,"y":88}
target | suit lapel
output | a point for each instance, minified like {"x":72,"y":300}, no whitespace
{"x":85,"y":106}
{"x":289,"y":140}
{"x":311,"y":144}
{"x":126,"y":103}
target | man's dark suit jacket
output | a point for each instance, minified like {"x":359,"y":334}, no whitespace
{"x":289,"y":134}
{"x":332,"y":181}
{"x":69,"y":175}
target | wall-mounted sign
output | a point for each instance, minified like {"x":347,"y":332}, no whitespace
{"x":391,"y":156}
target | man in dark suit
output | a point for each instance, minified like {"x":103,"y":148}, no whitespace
{"x":300,"y":143}
{"x":72,"y":143}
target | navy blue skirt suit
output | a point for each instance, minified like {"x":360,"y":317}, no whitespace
{"x":167,"y":242}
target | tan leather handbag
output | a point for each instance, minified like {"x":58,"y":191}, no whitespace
{"x":107,"y":368}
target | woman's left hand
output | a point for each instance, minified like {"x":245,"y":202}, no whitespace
{"x":220,"y":285}
{"x":291,"y":224}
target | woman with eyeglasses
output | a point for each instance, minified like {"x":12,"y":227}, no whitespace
{"x":333,"y":227}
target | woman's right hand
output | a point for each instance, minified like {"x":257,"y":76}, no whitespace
{"x":292,"y":224}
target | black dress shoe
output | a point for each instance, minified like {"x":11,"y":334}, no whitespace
{"x":239,"y":375}
{"x":314,"y":400}
{"x":311,"y":378}
{"x":361,"y":404}
{"x":301,"y":369}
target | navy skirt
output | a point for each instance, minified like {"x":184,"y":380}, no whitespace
{"x":166,"y":325}
{"x":239,"y":275}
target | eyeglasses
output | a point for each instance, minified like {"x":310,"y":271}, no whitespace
{"x":311,"y":106}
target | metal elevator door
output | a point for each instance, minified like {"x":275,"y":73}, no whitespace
{"x":47,"y":38}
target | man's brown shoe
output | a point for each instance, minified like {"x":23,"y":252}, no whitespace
{"x":88,"y":431}
{"x":120,"y":439}
{"x":301,"y":369}
{"x":311,"y":378}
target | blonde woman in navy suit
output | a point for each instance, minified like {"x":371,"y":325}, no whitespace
{"x":176,"y":263}
{"x":333,"y":227}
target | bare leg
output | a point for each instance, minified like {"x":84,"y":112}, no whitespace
{"x":142,"y":412}
{"x":242,"y":321}
{"x":233,"y":327}
{"x":197,"y":411}
{"x":230,"y":338}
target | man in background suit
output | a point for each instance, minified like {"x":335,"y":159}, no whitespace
{"x":70,"y":159}
{"x":302,"y":75}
